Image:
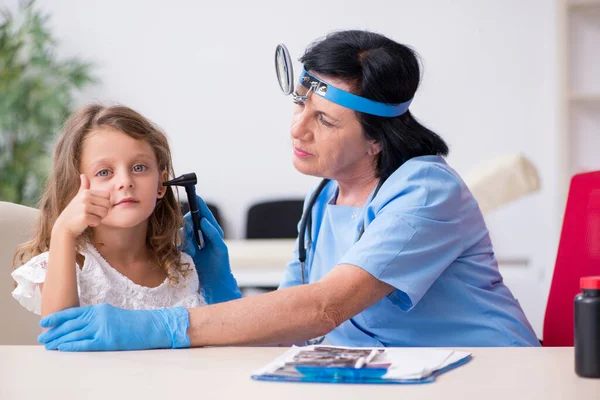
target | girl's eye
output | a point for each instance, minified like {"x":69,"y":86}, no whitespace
{"x":103,"y":173}
{"x":139,"y":168}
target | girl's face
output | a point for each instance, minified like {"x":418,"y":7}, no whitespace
{"x":328,"y":139}
{"x":127,"y":169}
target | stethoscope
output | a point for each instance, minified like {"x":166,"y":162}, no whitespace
{"x":306,"y":224}
{"x":285,"y":78}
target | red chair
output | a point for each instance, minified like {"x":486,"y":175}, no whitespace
{"x":578,"y":255}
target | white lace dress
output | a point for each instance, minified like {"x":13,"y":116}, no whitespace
{"x":98,"y":282}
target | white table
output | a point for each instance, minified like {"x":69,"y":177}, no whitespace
{"x":30,"y":372}
{"x":260,"y":262}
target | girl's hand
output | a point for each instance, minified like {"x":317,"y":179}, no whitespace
{"x":87,"y":208}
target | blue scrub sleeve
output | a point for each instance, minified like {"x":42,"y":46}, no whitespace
{"x":414,"y":237}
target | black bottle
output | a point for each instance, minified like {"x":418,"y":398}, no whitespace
{"x":587,"y":328}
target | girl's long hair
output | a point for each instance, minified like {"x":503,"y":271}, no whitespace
{"x":63,"y":184}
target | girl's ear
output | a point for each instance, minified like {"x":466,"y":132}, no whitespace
{"x":162,"y":190}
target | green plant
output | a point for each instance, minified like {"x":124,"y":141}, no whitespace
{"x":36,"y":97}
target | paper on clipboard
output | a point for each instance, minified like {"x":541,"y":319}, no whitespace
{"x":395,"y":365}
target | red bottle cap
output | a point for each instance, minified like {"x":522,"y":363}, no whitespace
{"x":590,"y":282}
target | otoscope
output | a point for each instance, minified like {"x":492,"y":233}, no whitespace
{"x":188,"y":181}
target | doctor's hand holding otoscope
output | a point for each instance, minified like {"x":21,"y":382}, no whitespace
{"x":188,"y":181}
{"x":203,"y":241}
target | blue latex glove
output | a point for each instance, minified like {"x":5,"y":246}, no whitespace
{"x":212,"y":261}
{"x":106,"y":328}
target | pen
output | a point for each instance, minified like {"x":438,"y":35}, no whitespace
{"x":362,"y":361}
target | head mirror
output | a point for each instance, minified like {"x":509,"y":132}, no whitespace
{"x":284,"y":69}
{"x":316,"y":85}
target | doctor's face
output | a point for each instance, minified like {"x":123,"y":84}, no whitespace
{"x":328,"y":139}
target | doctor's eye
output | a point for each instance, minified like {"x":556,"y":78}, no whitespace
{"x":298,"y":108}
{"x":139,"y":168}
{"x":324,"y":121}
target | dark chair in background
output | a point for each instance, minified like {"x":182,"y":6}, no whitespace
{"x":185,"y":207}
{"x":274,"y":220}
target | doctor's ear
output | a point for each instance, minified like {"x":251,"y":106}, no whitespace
{"x":374,"y":148}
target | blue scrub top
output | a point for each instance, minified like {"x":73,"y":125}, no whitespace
{"x":425,"y":236}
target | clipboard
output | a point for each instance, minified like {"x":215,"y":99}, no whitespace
{"x":361,"y":365}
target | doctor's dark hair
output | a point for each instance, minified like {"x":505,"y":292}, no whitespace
{"x":379,"y":69}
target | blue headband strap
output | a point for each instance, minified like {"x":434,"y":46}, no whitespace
{"x":349,"y":100}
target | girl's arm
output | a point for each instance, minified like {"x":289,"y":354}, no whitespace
{"x":289,"y":315}
{"x":59,"y":290}
{"x":85,"y":210}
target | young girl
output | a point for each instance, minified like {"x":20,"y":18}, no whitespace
{"x":108,"y":229}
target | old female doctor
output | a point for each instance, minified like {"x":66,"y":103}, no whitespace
{"x":392,"y":250}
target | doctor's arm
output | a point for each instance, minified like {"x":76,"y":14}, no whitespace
{"x":288,"y":315}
